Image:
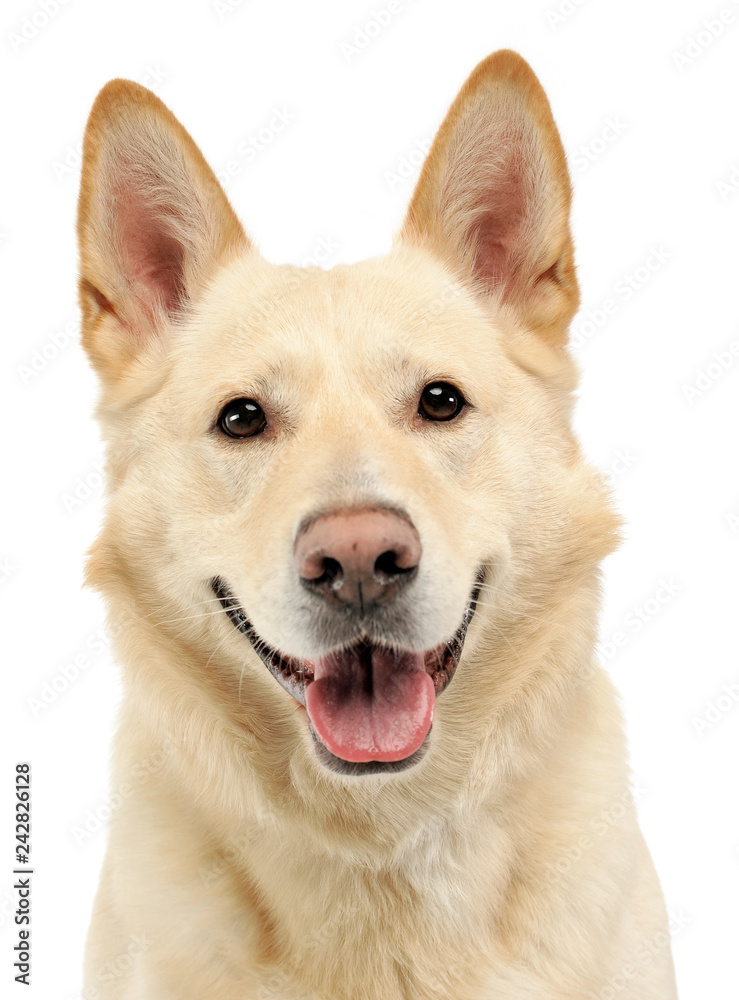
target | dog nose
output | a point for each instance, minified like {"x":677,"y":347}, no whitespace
{"x":357,"y":557}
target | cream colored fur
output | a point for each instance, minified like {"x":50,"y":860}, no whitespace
{"x":239,"y":867}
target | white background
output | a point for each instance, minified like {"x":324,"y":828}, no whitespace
{"x":659,"y":177}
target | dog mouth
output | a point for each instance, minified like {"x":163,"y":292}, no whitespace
{"x":370,"y":706}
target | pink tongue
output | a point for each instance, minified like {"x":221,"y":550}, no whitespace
{"x":370,"y":704}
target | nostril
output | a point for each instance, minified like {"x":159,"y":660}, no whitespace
{"x":387,"y":568}
{"x":358,"y":558}
{"x":331,"y":571}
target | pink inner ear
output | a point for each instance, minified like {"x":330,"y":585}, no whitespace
{"x":153,"y":258}
{"x":498,"y":229}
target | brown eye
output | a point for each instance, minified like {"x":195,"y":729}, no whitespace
{"x":440,"y":401}
{"x":242,"y":418}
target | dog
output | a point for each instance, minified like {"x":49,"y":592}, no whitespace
{"x":350,"y":557}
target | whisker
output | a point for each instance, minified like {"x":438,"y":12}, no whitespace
{"x":155,"y":612}
{"x":215,"y":650}
{"x":202,"y":614}
{"x":161,"y":607}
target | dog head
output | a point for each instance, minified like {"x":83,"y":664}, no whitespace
{"x":350,"y":499}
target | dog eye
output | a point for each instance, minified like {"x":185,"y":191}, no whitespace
{"x":242,"y":418}
{"x":440,"y":401}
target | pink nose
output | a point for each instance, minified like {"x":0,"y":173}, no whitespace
{"x":357,"y":557}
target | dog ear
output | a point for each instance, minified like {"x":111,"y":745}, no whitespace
{"x":493,"y":199}
{"x":153,"y":224}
